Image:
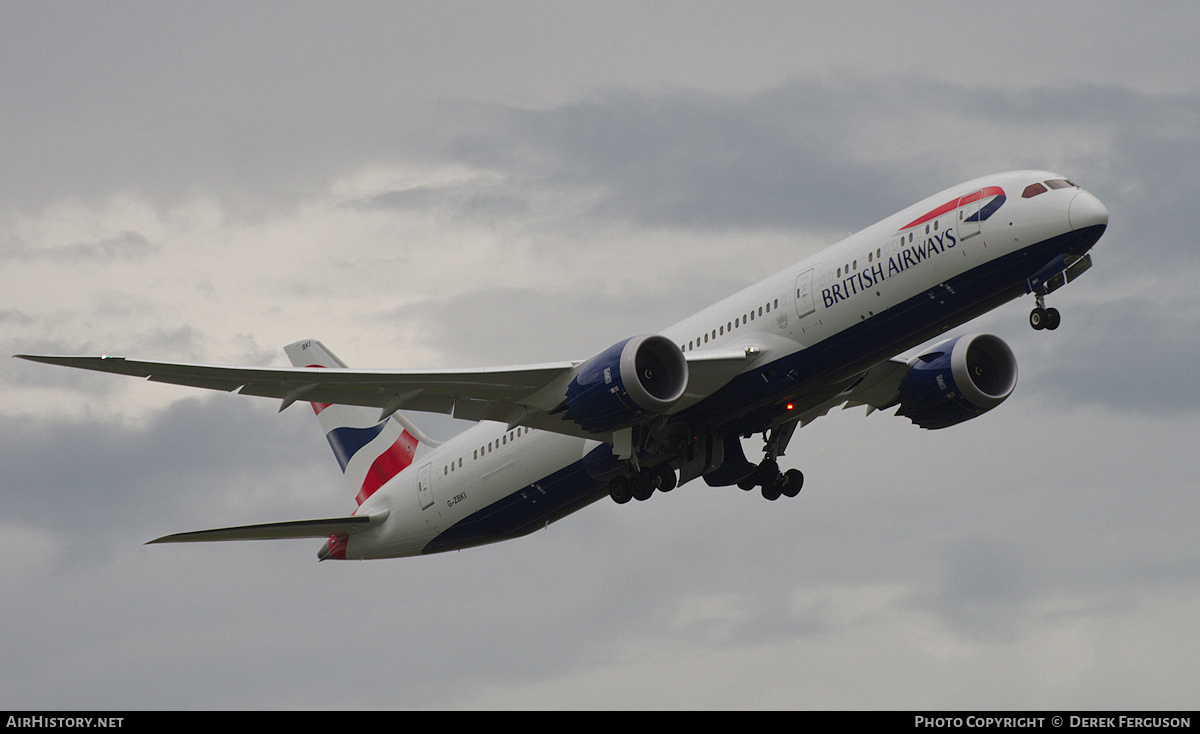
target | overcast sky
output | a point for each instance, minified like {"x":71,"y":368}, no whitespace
{"x":465,"y":184}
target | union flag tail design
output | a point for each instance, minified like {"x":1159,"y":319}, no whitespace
{"x":369,"y":451}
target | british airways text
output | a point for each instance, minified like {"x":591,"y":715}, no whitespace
{"x":897,"y":263}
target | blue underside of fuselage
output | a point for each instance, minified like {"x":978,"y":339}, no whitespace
{"x":523,"y":511}
{"x":751,"y":400}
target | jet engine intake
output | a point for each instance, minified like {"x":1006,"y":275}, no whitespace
{"x":631,"y":381}
{"x":957,"y":380}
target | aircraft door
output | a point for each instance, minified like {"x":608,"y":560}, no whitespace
{"x":424,"y":487}
{"x":968,"y":215}
{"x":804,"y":294}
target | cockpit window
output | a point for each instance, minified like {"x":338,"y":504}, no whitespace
{"x":1033,"y":190}
{"x":1060,"y":183}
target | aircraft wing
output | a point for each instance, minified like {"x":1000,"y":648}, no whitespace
{"x":878,"y":388}
{"x":527,"y":395}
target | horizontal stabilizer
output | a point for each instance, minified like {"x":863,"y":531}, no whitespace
{"x":280,"y":530}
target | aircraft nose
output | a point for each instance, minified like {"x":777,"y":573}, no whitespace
{"x":1088,"y":216}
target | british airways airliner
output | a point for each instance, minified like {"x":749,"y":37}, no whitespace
{"x":657,"y":411}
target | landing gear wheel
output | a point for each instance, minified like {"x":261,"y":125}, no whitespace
{"x":772,"y":490}
{"x":620,"y":490}
{"x":643,"y":486}
{"x":1045,"y":318}
{"x":793,"y":482}
{"x":664,"y":479}
{"x":767,"y":471}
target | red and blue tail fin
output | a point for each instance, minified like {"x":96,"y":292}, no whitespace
{"x":370,"y":451}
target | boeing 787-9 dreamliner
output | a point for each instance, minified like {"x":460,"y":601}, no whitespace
{"x":659,"y":410}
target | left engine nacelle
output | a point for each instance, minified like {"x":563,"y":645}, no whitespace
{"x":957,"y":380}
{"x":627,"y":383}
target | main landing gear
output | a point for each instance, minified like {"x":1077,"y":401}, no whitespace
{"x":774,"y":483}
{"x":641,"y":484}
{"x":1042,"y":317}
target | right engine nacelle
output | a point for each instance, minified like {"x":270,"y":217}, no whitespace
{"x":957,"y":380}
{"x":627,"y":383}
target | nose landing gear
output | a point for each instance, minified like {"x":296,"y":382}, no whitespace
{"x":1058,"y":273}
{"x":1042,"y":317}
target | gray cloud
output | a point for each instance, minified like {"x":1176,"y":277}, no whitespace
{"x":690,"y":159}
{"x":98,"y":485}
{"x":805,"y":154}
{"x":126,"y":246}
